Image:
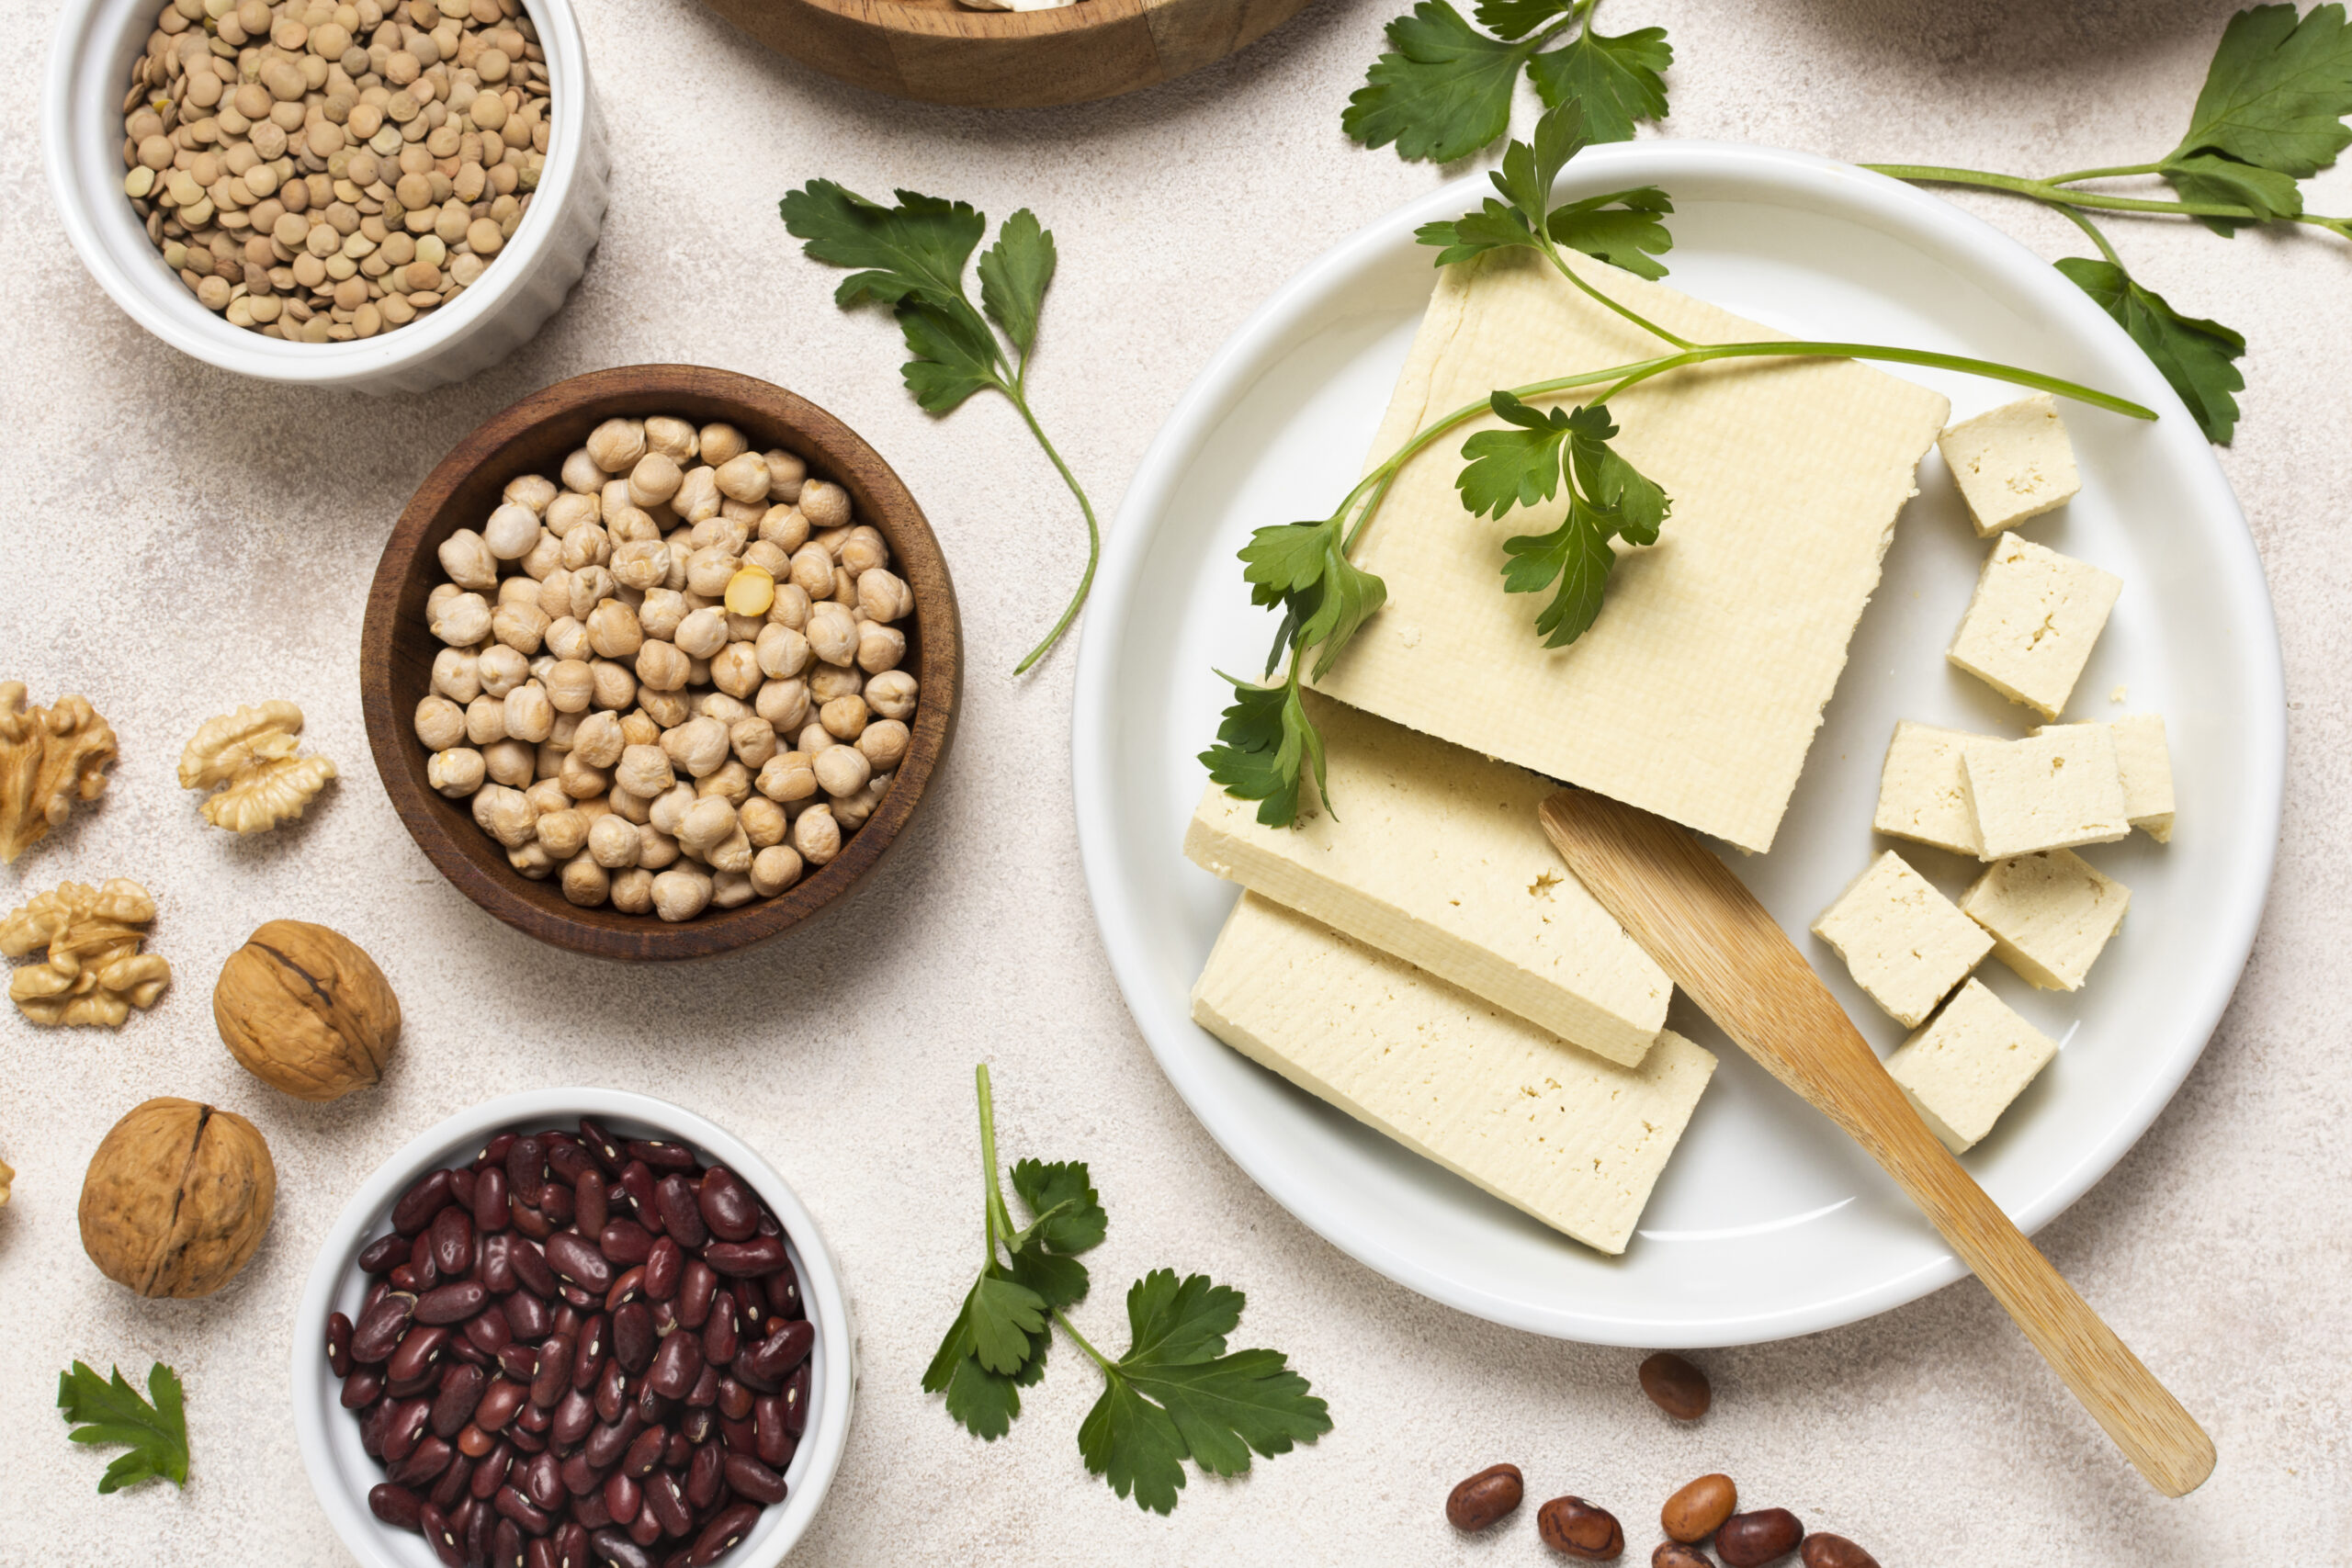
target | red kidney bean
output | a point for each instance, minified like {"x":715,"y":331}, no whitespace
{"x":623,"y":1496}
{"x":417,"y":1358}
{"x":409,"y":1278}
{"x":1826,"y":1551}
{"x":626,"y":1242}
{"x":645,"y":1529}
{"x":573,"y":1258}
{"x":506,"y":1546}
{"x":529,"y":1221}
{"x":579,"y":1477}
{"x":651,"y":1406}
{"x":628,"y":1287}
{"x":1747,"y":1541}
{"x":454,"y":1483}
{"x":727,"y":1205}
{"x":734,"y":1400}
{"x":499,"y":1403}
{"x":579,"y":1300}
{"x":553,"y":1378}
{"x":587,"y":1358}
{"x":795,"y":1401}
{"x":636,"y":1183}
{"x":490,"y":1213}
{"x":705,"y":1392}
{"x":527,"y":1160}
{"x":495,"y":1152}
{"x":519,"y":1362}
{"x":362,"y":1388}
{"x":633,"y":1337}
{"x":612,"y":1392}
{"x":676,"y":1452}
{"x":696,"y":1425}
{"x":666,"y":1501}
{"x":512,"y":1505}
{"x":376,"y":1291}
{"x":403,"y":1426}
{"x":494,"y":1261}
{"x":448,"y":1543}
{"x":489,"y":1331}
{"x":543,"y":1481}
{"x":428,"y":1459}
{"x":590,"y":1206}
{"x":644,"y":1455}
{"x":606,"y":1444}
{"x":525,"y":1442}
{"x":728,"y":1525}
{"x":697,"y":1284}
{"x":482,"y":1529}
{"x":771,"y":1442}
{"x":384,"y":1254}
{"x":601,"y":1147}
{"x":784,"y":1292}
{"x":425,"y":1198}
{"x":527,"y":1315}
{"x":489,"y":1473}
{"x":673,"y":1198}
{"x":575,"y":1414}
{"x":746,"y":1259}
{"x":542,"y":1554}
{"x":568,"y":1320}
{"x":567,"y":1159}
{"x":452,"y":1302}
{"x":721,"y":1337}
{"x":676,"y":1364}
{"x":339,"y":1345}
{"x":662,"y":1156}
{"x":464,"y":1349}
{"x":665,"y":1317}
{"x":531,"y":1270}
{"x":614,"y":1549}
{"x":557,"y":1203}
{"x":775,"y":1355}
{"x":461,"y":1187}
{"x":396,"y":1506}
{"x":382,"y":1327}
{"x":740,"y":1437}
{"x":475,"y":1443}
{"x":372,"y":1422}
{"x":453,"y":1406}
{"x":663,"y":1267}
{"x":452,"y":1232}
{"x":570,"y":1543}
{"x":754,"y":1479}
{"x":533,"y":1419}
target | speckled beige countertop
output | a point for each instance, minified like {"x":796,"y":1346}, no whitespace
{"x":178,"y":541}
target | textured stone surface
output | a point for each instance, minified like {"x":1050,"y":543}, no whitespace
{"x":180,"y":541}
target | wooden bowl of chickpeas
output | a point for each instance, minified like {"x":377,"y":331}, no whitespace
{"x":658,"y":662}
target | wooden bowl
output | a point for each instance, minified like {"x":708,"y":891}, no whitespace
{"x":942,"y":53}
{"x":396,"y":647}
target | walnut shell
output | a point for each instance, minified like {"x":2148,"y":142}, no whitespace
{"x":177,"y":1198}
{"x":305,"y":1010}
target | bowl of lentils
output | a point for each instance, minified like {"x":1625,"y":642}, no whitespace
{"x":379,"y":194}
{"x":573,"y":1327}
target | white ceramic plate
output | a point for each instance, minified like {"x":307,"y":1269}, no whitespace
{"x":1768,"y":1222}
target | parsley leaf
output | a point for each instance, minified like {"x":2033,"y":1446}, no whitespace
{"x":2278,"y":90}
{"x":1176,"y":1394}
{"x":911,"y":258}
{"x":1519,"y":466}
{"x":1445,"y":90}
{"x":1069,"y":1216}
{"x":1621,"y":228}
{"x":1264,"y":743}
{"x":2194,"y":355}
{"x":2223,"y":182}
{"x":112,"y":1412}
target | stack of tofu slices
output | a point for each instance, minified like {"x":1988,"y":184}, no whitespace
{"x":1416,"y":953}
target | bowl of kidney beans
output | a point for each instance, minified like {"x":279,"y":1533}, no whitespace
{"x":573,"y":1328}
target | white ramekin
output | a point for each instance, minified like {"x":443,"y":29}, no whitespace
{"x":89,"y":70}
{"x":342,"y":1473}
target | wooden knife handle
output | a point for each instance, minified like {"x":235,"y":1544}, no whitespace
{"x":1708,"y":932}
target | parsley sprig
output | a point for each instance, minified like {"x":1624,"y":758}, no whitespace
{"x":911,"y":259}
{"x":1177,"y":1392}
{"x":112,"y":1412}
{"x":1266,"y":744}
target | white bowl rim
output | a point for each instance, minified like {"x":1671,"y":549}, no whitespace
{"x":157,"y":301}
{"x":1096,"y":711}
{"x":826,"y":1299}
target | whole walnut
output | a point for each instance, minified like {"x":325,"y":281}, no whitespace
{"x":176,"y":1199}
{"x":304,"y":1009}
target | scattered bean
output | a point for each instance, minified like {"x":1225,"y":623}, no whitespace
{"x":1486,"y":1497}
{"x":1826,"y":1551}
{"x":1674,"y":1554}
{"x":1747,"y":1541}
{"x":1573,"y":1526}
{"x":1693,"y":1514}
{"x":1676,"y":1386}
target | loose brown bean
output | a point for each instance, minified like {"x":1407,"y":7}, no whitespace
{"x":1826,"y":1551}
{"x":1676,"y":1386}
{"x":1747,"y":1541}
{"x":1573,"y":1526}
{"x":1484,"y":1497}
{"x":1674,"y":1554}
{"x":1694,"y":1512}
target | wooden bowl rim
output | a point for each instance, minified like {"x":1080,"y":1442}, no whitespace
{"x":934,"y":21}
{"x":538,"y":908}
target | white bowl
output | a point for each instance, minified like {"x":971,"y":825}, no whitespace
{"x":89,"y":67}
{"x":340,"y":1471}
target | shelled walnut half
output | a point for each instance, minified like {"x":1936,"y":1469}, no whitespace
{"x":49,"y":759}
{"x":94,"y":972}
{"x":251,"y":752}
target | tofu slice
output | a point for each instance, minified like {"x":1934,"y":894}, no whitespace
{"x":2145,"y":766}
{"x":1572,"y":1139}
{"x":2031,"y":625}
{"x":1906,"y":943}
{"x":1966,"y":1068}
{"x":1922,"y":794}
{"x":2051,"y":915}
{"x":1697,"y":693}
{"x":2057,"y":788}
{"x":2012,"y":463}
{"x":1436,"y":857}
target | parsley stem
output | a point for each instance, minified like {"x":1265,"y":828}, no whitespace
{"x":1094,"y":530}
{"x":2120,"y":171}
{"x":2054,"y":192}
{"x":1079,"y":1339}
{"x":997,"y":1220}
{"x":1551,"y":251}
{"x":2099,"y":238}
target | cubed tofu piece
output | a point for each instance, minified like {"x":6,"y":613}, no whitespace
{"x":1435,"y":855}
{"x":2145,"y":763}
{"x":1966,"y":1068}
{"x":2053,"y":790}
{"x":2051,"y":915}
{"x":2031,"y":627}
{"x":1572,"y":1139}
{"x":1698,"y":692}
{"x":1922,"y":794}
{"x":1906,"y":944}
{"x":2012,"y":463}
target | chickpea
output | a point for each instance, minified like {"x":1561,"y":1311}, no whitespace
{"x":817,"y":836}
{"x":673,"y":437}
{"x":732,"y":888}
{"x":697,"y":746}
{"x":882,"y":595}
{"x":862,"y":550}
{"x":486,"y":719}
{"x":813,"y":570}
{"x":829,"y":682}
{"x":500,"y":670}
{"x":707,"y":824}
{"x":653,"y":480}
{"x":781,"y":651}
{"x":670,"y":807}
{"x":667,"y":709}
{"x":853,"y":811}
{"x":616,"y":445}
{"x":509,"y":762}
{"x":655,"y":848}
{"x":776,"y":563}
{"x":511,"y":531}
{"x":555,"y":593}
{"x":587,"y":545}
{"x":563,"y":832}
{"x":813,"y":739}
{"x":884,"y":744}
{"x":735,"y":670}
{"x":642,"y":563}
{"x":532,"y":490}
{"x":585,"y":882}
{"x":722,"y":707}
{"x":590,"y":586}
{"x":632,"y":526}
{"x":581,"y":473}
{"x":597,"y":741}
{"x":753,"y":738}
{"x":731,"y":784}
{"x":879,"y":648}
{"x":697,"y":494}
{"x":614,"y":630}
{"x":842,"y":769}
{"x":843,"y":718}
{"x":784,"y":528}
{"x":644,"y":770}
{"x":632,"y":892}
{"x":566,"y":638}
{"x":466,"y":557}
{"x":783,"y":704}
{"x":763,"y":821}
{"x":721,"y":443}
{"x":786,"y":474}
{"x":892,"y":695}
{"x":462,"y":620}
{"x":681,"y":894}
{"x":787,"y":777}
{"x":662,"y":666}
{"x":457,"y":771}
{"x":455,"y":674}
{"x":440,"y":723}
{"x":515,"y":590}
{"x":581,"y":781}
{"x":832,"y":634}
{"x":615,"y":687}
{"x":824,"y":503}
{"x":791,"y":607}
{"x":663,"y":613}
{"x":571,"y":510}
{"x":532,"y":861}
{"x":521,"y":626}
{"x":702,"y":633}
{"x":505,"y":814}
{"x":709,"y":569}
{"x":741,"y":477}
{"x":529,"y":715}
{"x":614,"y":841}
{"x":544,"y":556}
{"x":547,"y":795}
